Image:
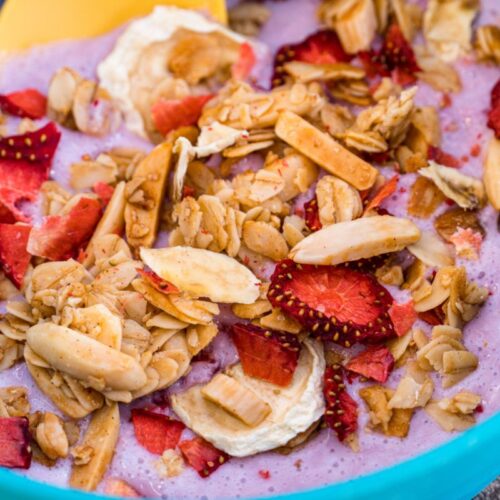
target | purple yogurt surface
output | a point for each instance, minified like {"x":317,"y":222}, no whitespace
{"x":324,"y":460}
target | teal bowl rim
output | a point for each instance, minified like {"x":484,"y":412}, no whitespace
{"x":458,"y":469}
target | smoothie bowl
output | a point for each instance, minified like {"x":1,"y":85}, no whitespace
{"x":253,"y":260}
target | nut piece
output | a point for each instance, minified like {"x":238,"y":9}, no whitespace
{"x":432,"y":251}
{"x":325,"y":151}
{"x":84,"y":358}
{"x":447,"y":420}
{"x":354,"y":240}
{"x":51,"y":437}
{"x":236,"y":399}
{"x":264,"y":239}
{"x":101,"y":436}
{"x":492,"y":173}
{"x":141,"y":221}
{"x":203,"y":273}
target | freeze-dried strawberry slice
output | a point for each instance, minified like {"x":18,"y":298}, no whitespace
{"x":443,"y":158}
{"x":61,"y":237}
{"x":14,"y":259}
{"x":402,"y":316}
{"x":156,"y":432}
{"x":433,"y":317}
{"x":269,"y":355}
{"x":395,"y":58}
{"x":494,"y":113}
{"x":38,"y":146}
{"x":341,"y":413}
{"x":159,"y":283}
{"x":245,"y":63}
{"x":202,"y":456}
{"x":104,"y":191}
{"x":311,"y":215}
{"x":15,"y":451}
{"x":375,"y":363}
{"x":28,"y":103}
{"x":336,"y":303}
{"x":383,"y":193}
{"x":170,"y":114}
{"x":322,"y":47}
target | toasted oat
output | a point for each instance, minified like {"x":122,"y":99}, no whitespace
{"x":466,"y":191}
{"x":325,"y":151}
{"x":353,"y":91}
{"x":447,"y":420}
{"x":199,"y":336}
{"x":252,"y":311}
{"x":86,"y":173}
{"x":491,"y":177}
{"x":399,"y":346}
{"x":248,"y":18}
{"x":463,"y":402}
{"x":14,"y":402}
{"x":414,"y":389}
{"x":335,"y":119}
{"x":264,"y":239}
{"x":309,"y":72}
{"x":277,"y":320}
{"x":408,"y":17}
{"x":487,"y":43}
{"x":51,"y":436}
{"x":390,"y":274}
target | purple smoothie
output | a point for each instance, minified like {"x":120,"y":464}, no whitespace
{"x":324,"y":460}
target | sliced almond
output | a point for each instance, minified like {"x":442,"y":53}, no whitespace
{"x":325,"y":151}
{"x":354,"y":240}
{"x":492,"y":173}
{"x":236,"y":399}
{"x":141,"y":222}
{"x":101,"y":437}
{"x":432,"y":251}
{"x":356,"y":26}
{"x":264,"y":239}
{"x":203,"y":273}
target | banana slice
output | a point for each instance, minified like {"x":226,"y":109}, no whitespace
{"x":85,"y":358}
{"x":354,"y":240}
{"x":236,"y":399}
{"x":203,"y":273}
{"x":293,"y":408}
{"x":99,"y":323}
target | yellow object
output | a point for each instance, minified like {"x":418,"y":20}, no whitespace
{"x":24,"y":23}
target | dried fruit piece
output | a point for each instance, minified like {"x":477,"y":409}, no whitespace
{"x":384,"y":192}
{"x":154,"y":431}
{"x":491,"y":177}
{"x":171,"y":114}
{"x":402,"y":316}
{"x":119,"y":488}
{"x":245,"y":63}
{"x":374,"y":363}
{"x":341,"y":413}
{"x":494,"y":112}
{"x":442,"y":157}
{"x":160,"y":284}
{"x":354,"y":240}
{"x":14,"y":258}
{"x":311,"y":215}
{"x":203,"y":273}
{"x":335,"y":303}
{"x":202,"y":456}
{"x":322,"y":47}
{"x":104,"y":192}
{"x":15,"y":451}
{"x":61,"y":237}
{"x":236,"y":399}
{"x":396,"y":58}
{"x":425,"y":197}
{"x":28,"y":103}
{"x":324,"y":150}
{"x":266,"y":354}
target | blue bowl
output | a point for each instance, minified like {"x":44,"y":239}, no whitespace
{"x":458,"y":469}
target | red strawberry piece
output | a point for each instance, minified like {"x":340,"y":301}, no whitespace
{"x":188,"y":191}
{"x":395,"y":57}
{"x":443,"y":158}
{"x":433,"y":317}
{"x":311,"y":215}
{"x":341,"y":413}
{"x":375,"y":363}
{"x":202,"y":456}
{"x":61,"y":237}
{"x":269,"y":355}
{"x":15,"y":451}
{"x":104,"y":191}
{"x":156,"y":432}
{"x":337,"y":303}
{"x":322,"y":47}
{"x":494,"y":113}
{"x":28,"y":103}
{"x":119,"y":488}
{"x":38,"y":146}
{"x":246,"y":61}
{"x":174,"y":113}
{"x":383,"y":193}
{"x":159,"y":283}
{"x":14,"y":259}
{"x":264,"y":474}
{"x":402,"y":316}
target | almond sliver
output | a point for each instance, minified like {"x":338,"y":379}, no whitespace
{"x":353,"y":240}
{"x":325,"y":151}
{"x":203,"y":273}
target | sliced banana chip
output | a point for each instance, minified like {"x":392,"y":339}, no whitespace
{"x":353,"y":240}
{"x":293,"y":408}
{"x":203,"y":273}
